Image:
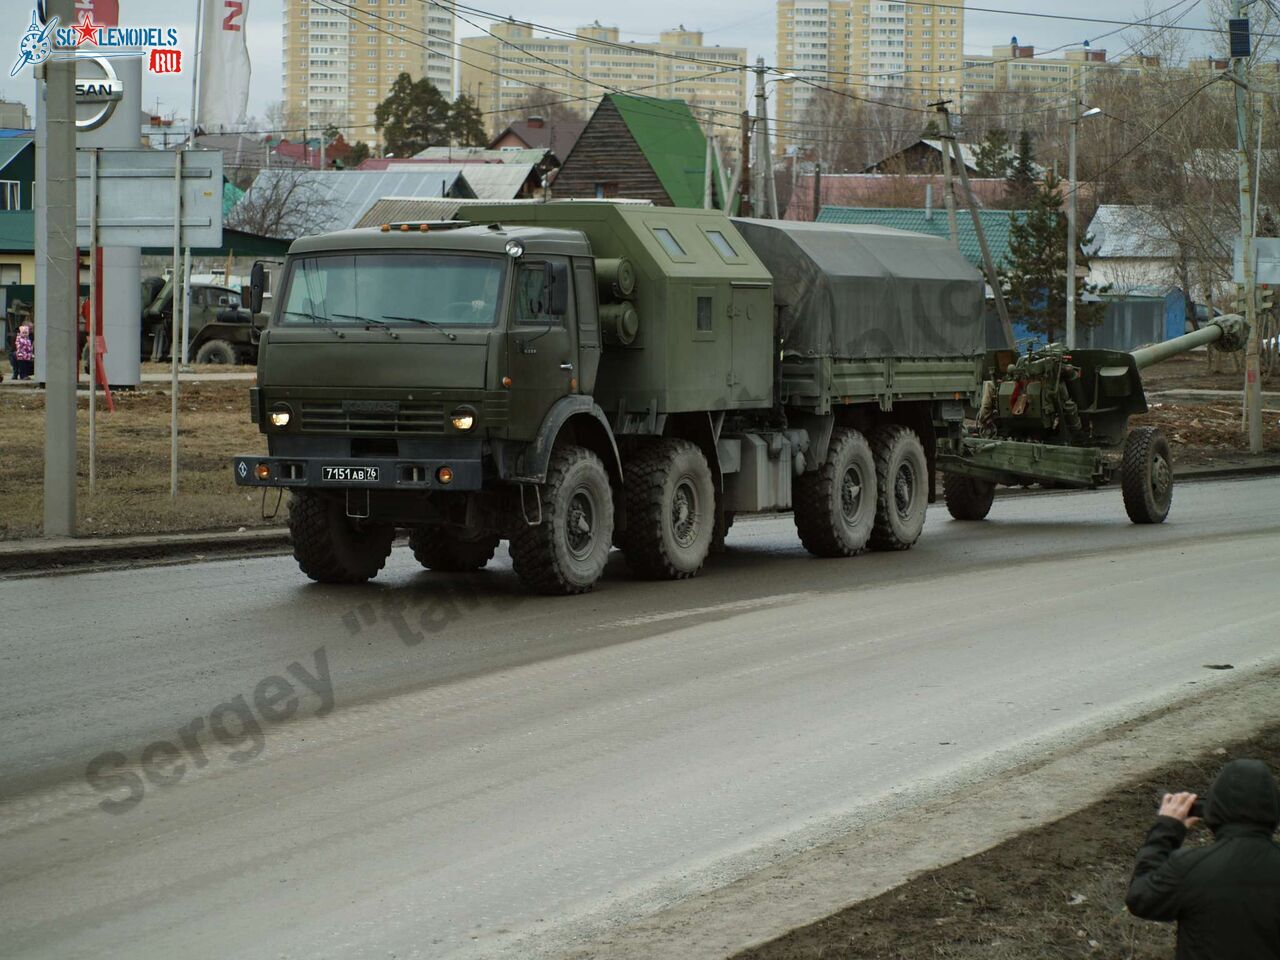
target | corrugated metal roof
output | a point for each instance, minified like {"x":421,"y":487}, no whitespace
{"x":458,"y":154}
{"x":488,"y":181}
{"x":671,"y":140}
{"x":996,"y":225}
{"x":1120,"y":230}
{"x":337,"y":199}
{"x":17,"y":231}
{"x":408,"y":210}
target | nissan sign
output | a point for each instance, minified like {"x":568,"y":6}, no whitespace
{"x":99,"y":92}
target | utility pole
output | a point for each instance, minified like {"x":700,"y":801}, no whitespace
{"x":949,"y":197}
{"x":1240,"y":52}
{"x":1071,"y":213}
{"x":744,"y":184}
{"x":759,"y":202}
{"x":56,"y":176}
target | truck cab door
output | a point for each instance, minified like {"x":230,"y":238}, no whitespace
{"x":542,"y":350}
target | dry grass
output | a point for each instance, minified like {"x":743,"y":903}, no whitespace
{"x":132,"y":494}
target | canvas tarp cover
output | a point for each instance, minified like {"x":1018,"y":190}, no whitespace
{"x":861,"y":291}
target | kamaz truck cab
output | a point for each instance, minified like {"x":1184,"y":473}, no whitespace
{"x":418,"y":376}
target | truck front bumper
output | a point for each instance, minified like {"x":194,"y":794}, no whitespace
{"x":342,"y":473}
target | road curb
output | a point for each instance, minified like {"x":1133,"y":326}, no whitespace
{"x":30,"y":556}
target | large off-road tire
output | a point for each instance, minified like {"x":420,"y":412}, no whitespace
{"x":835,"y":505}
{"x":671,"y":509}
{"x":217,"y":351}
{"x":902,"y":488}
{"x":1146,"y":475}
{"x":439,"y":549}
{"x":329,"y":546}
{"x":968,"y":498}
{"x":567,"y":551}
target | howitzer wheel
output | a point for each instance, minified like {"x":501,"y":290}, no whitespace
{"x":331,"y":547}
{"x":438,"y":549}
{"x":567,"y":551}
{"x":968,"y":498}
{"x":1146,"y":475}
{"x":902,"y":488}
{"x":835,"y":505}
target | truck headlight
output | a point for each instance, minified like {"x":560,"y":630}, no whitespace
{"x":464,"y":418}
{"x":280,"y":415}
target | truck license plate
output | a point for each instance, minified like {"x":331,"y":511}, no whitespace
{"x":350,"y":474}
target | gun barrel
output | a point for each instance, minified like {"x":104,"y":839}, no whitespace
{"x":1232,"y":328}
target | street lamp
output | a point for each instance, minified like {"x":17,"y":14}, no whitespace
{"x":1071,"y":218}
{"x":765,"y":191}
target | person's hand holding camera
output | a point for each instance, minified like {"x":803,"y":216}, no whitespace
{"x":1181,"y":807}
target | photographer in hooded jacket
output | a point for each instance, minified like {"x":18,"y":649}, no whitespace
{"x":1225,"y":896}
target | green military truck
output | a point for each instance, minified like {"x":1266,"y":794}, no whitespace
{"x":574,"y":376}
{"x":219,"y":329}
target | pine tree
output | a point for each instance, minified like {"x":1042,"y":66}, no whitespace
{"x":931,"y":131}
{"x":466,"y":123}
{"x":993,"y":158}
{"x":1021,"y":178}
{"x":414,"y":116}
{"x":1035,"y":270}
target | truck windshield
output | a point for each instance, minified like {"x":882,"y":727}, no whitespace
{"x":430,"y":288}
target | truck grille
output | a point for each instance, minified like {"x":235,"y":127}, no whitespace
{"x":360,"y":417}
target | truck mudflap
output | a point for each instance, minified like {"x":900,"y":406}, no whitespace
{"x":338,"y":473}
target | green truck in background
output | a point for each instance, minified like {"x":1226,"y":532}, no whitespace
{"x":572,"y":376}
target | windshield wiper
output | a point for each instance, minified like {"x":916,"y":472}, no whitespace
{"x":381,"y":325}
{"x":431,"y":323}
{"x":326,"y":322}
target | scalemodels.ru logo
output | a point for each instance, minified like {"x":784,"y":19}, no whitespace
{"x":46,"y":40}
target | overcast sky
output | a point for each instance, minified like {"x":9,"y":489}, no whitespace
{"x":726,"y":22}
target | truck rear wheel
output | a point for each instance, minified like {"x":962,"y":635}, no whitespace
{"x":671,"y":510}
{"x":329,"y":546}
{"x":1146,"y":475}
{"x":968,"y":498}
{"x":438,"y":549}
{"x":567,"y":551}
{"x":217,"y":351}
{"x":835,"y":505}
{"x":902,"y":495}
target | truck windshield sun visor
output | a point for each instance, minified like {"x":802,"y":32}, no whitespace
{"x":433,"y":289}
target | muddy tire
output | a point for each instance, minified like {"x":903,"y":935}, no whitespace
{"x":329,"y":546}
{"x":217,"y":351}
{"x":438,"y":549}
{"x":671,"y":510}
{"x":835,"y":505}
{"x":567,"y":551}
{"x":902,"y":494}
{"x":968,"y":498}
{"x":1146,"y":475}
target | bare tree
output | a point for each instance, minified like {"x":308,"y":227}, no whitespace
{"x":282,"y":203}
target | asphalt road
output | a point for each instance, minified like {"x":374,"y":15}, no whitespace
{"x":464,"y":770}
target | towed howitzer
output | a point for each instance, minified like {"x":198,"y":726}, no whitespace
{"x":1060,"y":417}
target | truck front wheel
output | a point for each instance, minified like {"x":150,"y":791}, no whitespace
{"x":671,"y":510}
{"x":438,"y":549}
{"x":331,"y":547}
{"x":902,"y":488}
{"x":217,"y":351}
{"x":567,"y":551}
{"x":835,"y":505}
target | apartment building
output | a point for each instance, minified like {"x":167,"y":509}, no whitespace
{"x":512,"y":65}
{"x":339,"y":64}
{"x":866,"y":46}
{"x":1015,"y":66}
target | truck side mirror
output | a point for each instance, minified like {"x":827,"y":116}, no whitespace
{"x":555,"y":284}
{"x":251,"y":296}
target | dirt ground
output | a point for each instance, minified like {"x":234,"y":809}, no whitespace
{"x":1056,"y":892}
{"x":132,"y":494}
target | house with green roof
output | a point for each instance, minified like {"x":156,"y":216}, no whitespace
{"x":639,"y":148}
{"x":17,"y":197}
{"x":996,"y":224}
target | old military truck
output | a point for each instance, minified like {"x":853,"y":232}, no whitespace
{"x":571,"y":376}
{"x":219,"y":331}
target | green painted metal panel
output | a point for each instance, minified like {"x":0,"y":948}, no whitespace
{"x":671,"y":140}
